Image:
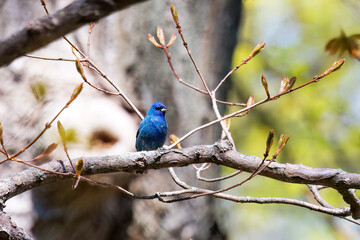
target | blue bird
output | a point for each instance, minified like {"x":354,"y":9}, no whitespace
{"x":153,"y":129}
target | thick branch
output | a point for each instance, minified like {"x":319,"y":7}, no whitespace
{"x":9,"y":230}
{"x":46,"y":29}
{"x":220,"y":153}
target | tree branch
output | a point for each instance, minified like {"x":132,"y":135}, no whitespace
{"x":220,"y":153}
{"x":9,"y":230}
{"x":46,"y":29}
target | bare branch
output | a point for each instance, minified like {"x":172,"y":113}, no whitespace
{"x":220,"y":153}
{"x":315,"y":191}
{"x":9,"y":230}
{"x":46,"y":29}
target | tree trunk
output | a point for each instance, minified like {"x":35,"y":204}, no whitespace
{"x":121,"y":49}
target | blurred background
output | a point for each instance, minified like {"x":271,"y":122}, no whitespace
{"x":321,"y":119}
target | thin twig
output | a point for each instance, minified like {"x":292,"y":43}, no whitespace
{"x":192,"y":59}
{"x":222,"y":123}
{"x":231,"y":72}
{"x":178,"y":77}
{"x":231,"y":103}
{"x":198,"y":176}
{"x":89,"y":38}
{"x":127,"y":100}
{"x":54,"y":59}
{"x":201,"y":192}
{"x":314,"y":190}
{"x":315,"y":79}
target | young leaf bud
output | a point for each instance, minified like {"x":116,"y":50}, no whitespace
{"x":258,"y":48}
{"x":282,"y":141}
{"x":172,"y":40}
{"x":174,"y":14}
{"x":75,"y":93}
{"x":284,"y":87}
{"x":61,"y":131}
{"x":265,"y":85}
{"x":292,"y":82}
{"x":160,"y":35}
{"x":79,"y":166}
{"x":153,"y":41}
{"x":269,"y":142}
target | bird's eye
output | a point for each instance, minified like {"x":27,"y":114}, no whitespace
{"x":158,"y":108}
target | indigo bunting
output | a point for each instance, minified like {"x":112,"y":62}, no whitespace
{"x":153,"y":129}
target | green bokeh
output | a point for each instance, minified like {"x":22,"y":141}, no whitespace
{"x":322,"y":119}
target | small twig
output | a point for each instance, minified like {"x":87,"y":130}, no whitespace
{"x":314,"y":190}
{"x":89,"y":38}
{"x":46,"y":127}
{"x":178,"y":77}
{"x":222,"y":123}
{"x":198,"y":176}
{"x":127,"y":100}
{"x":253,"y":53}
{"x":231,"y":103}
{"x":227,"y":75}
{"x":315,"y":79}
{"x":44,"y":6}
{"x":119,"y":188}
{"x":43,"y":169}
{"x":177,"y":179}
{"x":201,"y":192}
{"x":203,"y":167}
{"x":191,"y":57}
{"x":54,"y":59}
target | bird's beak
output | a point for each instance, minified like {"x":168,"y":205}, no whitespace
{"x":163,"y":109}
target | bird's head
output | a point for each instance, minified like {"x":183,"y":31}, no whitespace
{"x":157,"y":109}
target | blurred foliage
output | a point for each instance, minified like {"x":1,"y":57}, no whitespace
{"x":344,"y":44}
{"x":323,"y":119}
{"x":39,"y":90}
{"x":71,"y":135}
